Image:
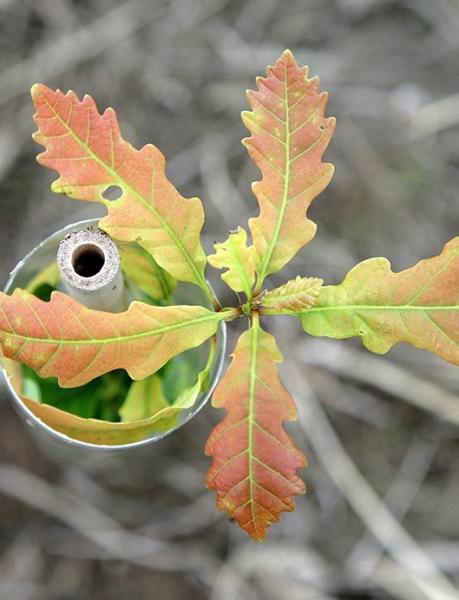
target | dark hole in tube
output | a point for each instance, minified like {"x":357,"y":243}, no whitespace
{"x":88,"y":260}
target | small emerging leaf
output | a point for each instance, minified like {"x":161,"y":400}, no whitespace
{"x":141,"y":268}
{"x":92,"y":159}
{"x":419,"y":306}
{"x":238,"y":258}
{"x":49,"y":276}
{"x":144,"y":399}
{"x":290,"y":133}
{"x":294,"y":296}
{"x":64,"y":339}
{"x":254,"y":461}
{"x":31,"y":389}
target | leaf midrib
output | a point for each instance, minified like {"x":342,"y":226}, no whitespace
{"x":281,"y":215}
{"x":250,"y":417}
{"x":350,"y":307}
{"x":199,"y":276}
{"x":118,"y":339}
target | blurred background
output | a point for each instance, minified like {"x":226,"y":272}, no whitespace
{"x":380,"y":520}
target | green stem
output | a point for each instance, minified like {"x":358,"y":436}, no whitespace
{"x":228,"y":314}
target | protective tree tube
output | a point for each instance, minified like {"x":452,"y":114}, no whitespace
{"x":89,"y":264}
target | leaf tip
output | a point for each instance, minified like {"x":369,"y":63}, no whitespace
{"x":36,"y":136}
{"x":288,"y":56}
{"x":55,"y":187}
{"x":330,"y":169}
{"x":246,"y":116}
{"x":41,"y":93}
{"x":36,"y":90}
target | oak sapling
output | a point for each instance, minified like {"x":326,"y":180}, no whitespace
{"x":255,"y":464}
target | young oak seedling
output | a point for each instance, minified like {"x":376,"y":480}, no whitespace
{"x":254,"y":468}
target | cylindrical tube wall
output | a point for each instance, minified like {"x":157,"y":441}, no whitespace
{"x":89,"y":264}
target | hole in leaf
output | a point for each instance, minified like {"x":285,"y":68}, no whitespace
{"x":88,"y":260}
{"x":113,"y":192}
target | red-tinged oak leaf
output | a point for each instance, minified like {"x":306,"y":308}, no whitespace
{"x":289,"y":136}
{"x":419,"y":306}
{"x":254,"y":461}
{"x":64,"y":339}
{"x":88,"y":152}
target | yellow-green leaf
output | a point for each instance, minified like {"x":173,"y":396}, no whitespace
{"x":142,"y":269}
{"x":95,"y":431}
{"x":144,"y":399}
{"x":290,"y":133}
{"x":49,"y":276}
{"x":239,"y":260}
{"x":296,"y":295}
{"x":419,"y":306}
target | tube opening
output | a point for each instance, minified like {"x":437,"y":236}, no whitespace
{"x":88,"y":260}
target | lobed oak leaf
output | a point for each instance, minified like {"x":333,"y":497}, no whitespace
{"x":254,"y":461}
{"x":419,"y":306}
{"x":289,"y":136}
{"x":294,"y":296}
{"x":64,"y":339}
{"x":239,"y":259}
{"x":92,"y":159}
